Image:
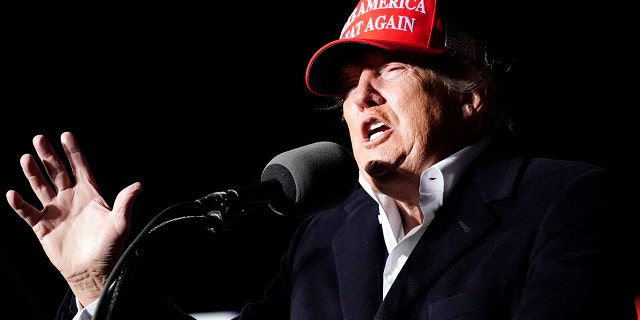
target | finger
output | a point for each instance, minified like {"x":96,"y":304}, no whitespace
{"x":124,"y":200}
{"x":39,"y":183}
{"x":77,"y":160}
{"x":54,"y":167}
{"x":26,"y":211}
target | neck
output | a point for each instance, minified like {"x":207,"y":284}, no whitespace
{"x":411,"y":215}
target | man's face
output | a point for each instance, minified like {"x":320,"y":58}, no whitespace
{"x":400,"y":121}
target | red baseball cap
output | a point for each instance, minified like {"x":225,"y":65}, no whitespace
{"x":414,"y":27}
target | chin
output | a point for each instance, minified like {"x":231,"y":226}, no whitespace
{"x":378,"y":169}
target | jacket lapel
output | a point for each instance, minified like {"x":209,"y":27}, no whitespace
{"x":360,"y":271}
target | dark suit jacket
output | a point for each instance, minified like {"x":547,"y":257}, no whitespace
{"x":518,"y":238}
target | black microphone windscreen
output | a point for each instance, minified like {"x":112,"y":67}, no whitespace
{"x":314,"y":177}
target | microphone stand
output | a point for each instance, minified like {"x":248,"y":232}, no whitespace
{"x":212,"y":212}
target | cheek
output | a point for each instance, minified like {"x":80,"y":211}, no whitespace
{"x":350,"y":117}
{"x":417,"y":109}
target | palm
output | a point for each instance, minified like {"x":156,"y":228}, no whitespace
{"x":74,"y":227}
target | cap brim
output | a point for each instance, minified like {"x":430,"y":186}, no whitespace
{"x":324,"y":67}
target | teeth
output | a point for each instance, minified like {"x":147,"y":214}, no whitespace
{"x":376,"y":126}
{"x":375,"y":136}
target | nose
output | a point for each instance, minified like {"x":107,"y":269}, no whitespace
{"x":365,"y":94}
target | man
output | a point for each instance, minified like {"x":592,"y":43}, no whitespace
{"x":452,"y":220}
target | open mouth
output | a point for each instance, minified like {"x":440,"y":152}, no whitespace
{"x":374,"y":130}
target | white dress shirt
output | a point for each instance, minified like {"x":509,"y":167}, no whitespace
{"x":435,"y":185}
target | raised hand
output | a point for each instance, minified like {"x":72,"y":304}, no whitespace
{"x":78,"y":230}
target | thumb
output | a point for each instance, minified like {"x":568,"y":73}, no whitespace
{"x":123,"y":205}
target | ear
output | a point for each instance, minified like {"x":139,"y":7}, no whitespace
{"x":472,"y":105}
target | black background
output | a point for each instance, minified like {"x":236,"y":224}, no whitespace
{"x":191,"y":99}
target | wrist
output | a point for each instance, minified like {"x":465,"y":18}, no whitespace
{"x":87,"y":286}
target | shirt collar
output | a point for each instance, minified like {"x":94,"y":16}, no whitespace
{"x":447,"y":172}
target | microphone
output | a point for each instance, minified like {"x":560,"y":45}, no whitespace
{"x":301,"y":181}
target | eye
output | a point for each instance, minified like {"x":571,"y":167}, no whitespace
{"x":393,"y":70}
{"x":347,"y":87}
